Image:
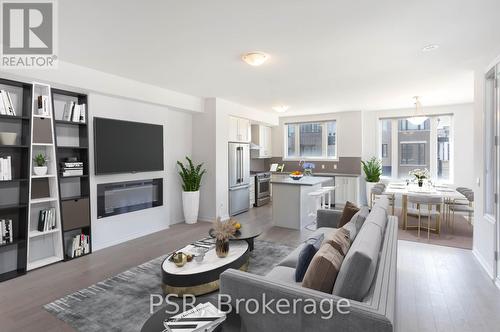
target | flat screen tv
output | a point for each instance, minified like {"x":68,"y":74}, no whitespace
{"x":127,"y":147}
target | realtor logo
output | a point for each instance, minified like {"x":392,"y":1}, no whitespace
{"x":28,"y":32}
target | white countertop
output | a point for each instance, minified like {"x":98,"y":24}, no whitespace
{"x":304,"y":181}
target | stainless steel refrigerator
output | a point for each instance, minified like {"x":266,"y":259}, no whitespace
{"x":239,"y":178}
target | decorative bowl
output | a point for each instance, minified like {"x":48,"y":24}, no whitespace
{"x":8,"y":138}
{"x":296,"y":177}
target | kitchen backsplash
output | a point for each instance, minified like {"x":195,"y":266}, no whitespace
{"x":345,"y":165}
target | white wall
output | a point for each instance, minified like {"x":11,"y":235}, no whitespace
{"x":484,"y":228}
{"x":348,"y":132}
{"x":463,"y":129}
{"x":177,"y":135}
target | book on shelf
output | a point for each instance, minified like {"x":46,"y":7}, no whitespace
{"x":43,"y":105}
{"x":74,"y":112}
{"x":46,"y":220}
{"x":6,"y":105}
{"x":203,"y":317}
{"x":7,"y":232}
{"x":5,"y":168}
{"x":78,"y":245}
{"x":71,"y":167}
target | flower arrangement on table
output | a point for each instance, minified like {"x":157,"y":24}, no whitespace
{"x":308,"y":168}
{"x":222,"y":231}
{"x":420,"y":175}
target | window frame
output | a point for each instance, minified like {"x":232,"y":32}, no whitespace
{"x":400,"y":155}
{"x":324,"y":141}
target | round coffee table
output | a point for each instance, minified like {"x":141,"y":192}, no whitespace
{"x":203,"y":278}
{"x":245,"y":233}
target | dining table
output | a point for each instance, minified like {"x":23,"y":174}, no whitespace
{"x":405,"y":189}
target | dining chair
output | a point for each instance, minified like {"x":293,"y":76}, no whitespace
{"x":378,"y":191}
{"x":462,"y":206}
{"x":426,"y":206}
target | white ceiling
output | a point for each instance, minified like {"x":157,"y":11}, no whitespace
{"x":326,"y":56}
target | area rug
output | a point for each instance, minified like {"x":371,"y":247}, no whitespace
{"x":122,"y":302}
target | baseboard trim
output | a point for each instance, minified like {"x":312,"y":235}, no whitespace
{"x":483,"y":263}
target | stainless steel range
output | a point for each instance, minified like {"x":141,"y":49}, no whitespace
{"x":262,"y":188}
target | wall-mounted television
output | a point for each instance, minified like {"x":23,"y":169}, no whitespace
{"x":127,"y":147}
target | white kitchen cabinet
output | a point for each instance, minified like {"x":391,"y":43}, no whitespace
{"x":261,"y":136}
{"x":239,"y":129}
{"x":346,"y":189}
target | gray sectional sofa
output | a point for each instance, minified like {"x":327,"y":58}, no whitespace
{"x":367,"y":278}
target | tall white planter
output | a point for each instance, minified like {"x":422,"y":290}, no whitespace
{"x":191,"y":206}
{"x":369,"y":187}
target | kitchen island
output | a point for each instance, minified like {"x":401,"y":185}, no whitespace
{"x":292,"y":205}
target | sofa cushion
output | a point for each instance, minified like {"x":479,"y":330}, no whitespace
{"x":283,"y":274}
{"x":353,"y":231}
{"x":361,"y":216}
{"x":339,"y":240}
{"x":292,"y":259}
{"x":378,"y":216}
{"x":323,"y":269}
{"x":356,"y":273}
{"x":305,"y":257}
{"x":349,"y":211}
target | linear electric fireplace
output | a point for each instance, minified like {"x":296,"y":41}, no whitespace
{"x":122,"y":197}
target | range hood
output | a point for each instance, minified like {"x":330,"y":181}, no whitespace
{"x":254,"y":146}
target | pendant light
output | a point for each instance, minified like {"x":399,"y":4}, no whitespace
{"x":419,"y":117}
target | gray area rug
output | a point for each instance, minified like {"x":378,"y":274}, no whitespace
{"x":121,"y":303}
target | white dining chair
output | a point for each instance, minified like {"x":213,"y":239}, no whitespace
{"x":426,"y":206}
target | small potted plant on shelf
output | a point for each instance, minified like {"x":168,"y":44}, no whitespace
{"x":420,"y":175}
{"x":222,"y":231}
{"x":41,"y":165}
{"x":191,"y":176}
{"x":373,"y":170}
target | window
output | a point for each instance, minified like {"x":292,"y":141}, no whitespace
{"x":311,"y":140}
{"x":405,"y":146}
{"x":384,"y":150}
{"x":413,"y":154}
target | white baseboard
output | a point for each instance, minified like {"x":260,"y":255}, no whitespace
{"x":483,"y":263}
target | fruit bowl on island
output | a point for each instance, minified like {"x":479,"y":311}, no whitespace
{"x":296,"y":175}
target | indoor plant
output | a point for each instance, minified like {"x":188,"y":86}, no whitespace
{"x":308,"y":168}
{"x":191,"y":176}
{"x":41,"y":165}
{"x":222,"y":232}
{"x":373,"y":170}
{"x":420,"y":175}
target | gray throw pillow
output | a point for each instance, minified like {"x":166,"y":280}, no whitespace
{"x":353,"y":231}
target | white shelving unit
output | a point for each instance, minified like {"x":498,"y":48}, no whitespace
{"x":45,"y":247}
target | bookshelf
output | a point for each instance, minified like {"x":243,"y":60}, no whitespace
{"x":44,"y":242}
{"x":14,"y":195}
{"x":72,"y":141}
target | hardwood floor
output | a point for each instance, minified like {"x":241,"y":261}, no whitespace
{"x":439,"y":288}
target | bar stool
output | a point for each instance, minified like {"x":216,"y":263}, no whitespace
{"x":431,"y":203}
{"x":319,"y":197}
{"x":328,"y":190}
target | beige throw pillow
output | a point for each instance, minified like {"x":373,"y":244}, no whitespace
{"x":339,"y":239}
{"x":323,"y":269}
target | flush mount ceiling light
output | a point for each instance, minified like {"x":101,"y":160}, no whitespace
{"x":281,"y":108}
{"x":255,"y":58}
{"x":430,"y":47}
{"x":419,"y":117}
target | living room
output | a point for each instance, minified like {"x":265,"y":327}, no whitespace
{"x":344,"y":166}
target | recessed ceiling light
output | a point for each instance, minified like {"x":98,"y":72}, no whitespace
{"x":430,"y":47}
{"x":255,"y":58}
{"x":281,"y":108}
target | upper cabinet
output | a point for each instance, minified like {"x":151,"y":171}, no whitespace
{"x":239,"y":129}
{"x":261,"y":136}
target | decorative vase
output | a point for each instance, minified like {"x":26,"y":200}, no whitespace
{"x":308,"y":172}
{"x":369,"y":187}
{"x":222,"y":248}
{"x":191,"y":206}
{"x":420,"y":182}
{"x":40,"y":170}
